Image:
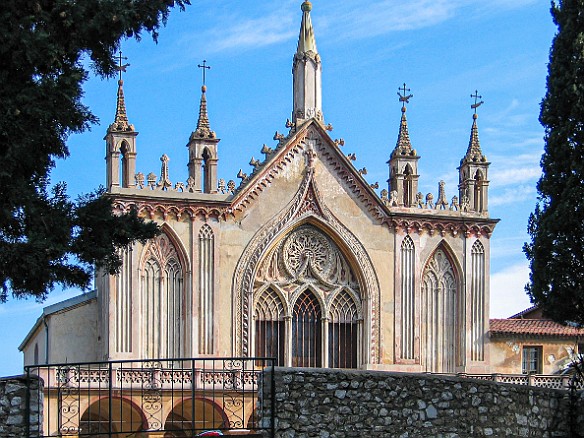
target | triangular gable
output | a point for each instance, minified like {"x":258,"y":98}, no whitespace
{"x":329,"y":153}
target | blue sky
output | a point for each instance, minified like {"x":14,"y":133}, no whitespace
{"x":442,"y":49}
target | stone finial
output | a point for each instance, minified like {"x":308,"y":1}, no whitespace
{"x":442,"y":202}
{"x":164,"y":181}
{"x":474,"y":153}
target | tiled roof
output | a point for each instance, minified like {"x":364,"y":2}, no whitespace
{"x":531,"y":327}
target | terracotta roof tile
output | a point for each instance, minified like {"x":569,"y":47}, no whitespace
{"x":531,"y":327}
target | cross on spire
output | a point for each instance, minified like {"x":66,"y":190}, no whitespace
{"x":121,"y":68}
{"x":404,"y":97}
{"x":204,"y":67}
{"x":476,"y":98}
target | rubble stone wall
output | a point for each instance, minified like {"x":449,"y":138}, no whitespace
{"x":14,"y":412}
{"x":340,"y":403}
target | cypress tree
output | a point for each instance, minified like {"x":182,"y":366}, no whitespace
{"x":556,"y":227}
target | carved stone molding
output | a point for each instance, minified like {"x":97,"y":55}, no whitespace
{"x":149,"y":209}
{"x":442,"y":227}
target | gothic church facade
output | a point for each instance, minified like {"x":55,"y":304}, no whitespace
{"x":302,"y":260}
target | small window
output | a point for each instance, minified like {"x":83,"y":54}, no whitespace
{"x":532,"y":360}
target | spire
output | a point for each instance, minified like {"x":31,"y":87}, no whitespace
{"x":403,"y":146}
{"x":306,"y":71}
{"x":474,"y":153}
{"x":203,"y":127}
{"x":306,"y":40}
{"x":121,"y":120}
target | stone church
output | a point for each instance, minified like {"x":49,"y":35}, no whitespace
{"x":302,"y":260}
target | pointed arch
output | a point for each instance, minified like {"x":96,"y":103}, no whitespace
{"x":267,"y":237}
{"x":479,"y":193}
{"x":270,"y":326}
{"x":306,"y":331}
{"x":206,"y":289}
{"x":408,"y":298}
{"x":163,"y":300}
{"x":442,"y":314}
{"x":408,"y":192}
{"x":343,"y":331}
{"x":477,"y":304}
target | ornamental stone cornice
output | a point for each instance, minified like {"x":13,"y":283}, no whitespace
{"x":452,"y":225}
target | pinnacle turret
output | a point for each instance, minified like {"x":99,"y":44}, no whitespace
{"x":403,"y":145}
{"x":306,"y":70}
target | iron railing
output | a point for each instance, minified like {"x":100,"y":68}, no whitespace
{"x":162,"y":397}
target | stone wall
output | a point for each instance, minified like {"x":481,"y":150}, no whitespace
{"x":14,"y":410}
{"x":339,"y":403}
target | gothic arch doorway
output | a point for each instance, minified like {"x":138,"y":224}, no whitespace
{"x":308,"y":306}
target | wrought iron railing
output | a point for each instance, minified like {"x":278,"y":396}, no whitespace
{"x":162,"y":397}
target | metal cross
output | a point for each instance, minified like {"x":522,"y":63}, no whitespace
{"x":403,"y":96}
{"x":121,"y":67}
{"x":205,"y":67}
{"x":476,"y":97}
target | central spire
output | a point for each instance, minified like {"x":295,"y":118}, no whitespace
{"x":306,"y":70}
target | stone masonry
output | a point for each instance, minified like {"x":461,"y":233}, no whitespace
{"x":339,"y":403}
{"x":14,"y":410}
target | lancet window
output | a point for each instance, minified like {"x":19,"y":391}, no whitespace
{"x":442,"y":315}
{"x":477,"y":301}
{"x":407,"y":298}
{"x":123,"y":305}
{"x":269,"y":326}
{"x":344,"y":332}
{"x":206,"y":288}
{"x":322,"y":325}
{"x":162,"y":301}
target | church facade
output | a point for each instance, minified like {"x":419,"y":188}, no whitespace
{"x":302,"y":260}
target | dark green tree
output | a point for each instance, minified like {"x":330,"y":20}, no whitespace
{"x":46,"y":238}
{"x":556,"y":250}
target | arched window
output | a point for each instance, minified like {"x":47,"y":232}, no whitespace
{"x":407,"y":298}
{"x":269,"y":327}
{"x":442,"y":314}
{"x":125,"y":176}
{"x":206,"y":289}
{"x":123,"y":304}
{"x":206,"y":175}
{"x":174,"y":309}
{"x":477,"y":287}
{"x":408,"y":186}
{"x":343,"y":332}
{"x":306,"y":332}
{"x":152,"y":301}
{"x":163,"y":310}
{"x":36,"y":354}
{"x":479,"y":192}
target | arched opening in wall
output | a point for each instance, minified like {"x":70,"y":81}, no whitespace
{"x":36,"y":354}
{"x":408,"y":298}
{"x":408,"y":186}
{"x":442,"y":315}
{"x":479,"y":192}
{"x":205,"y":172}
{"x":123,"y":419}
{"x":306,"y":331}
{"x":477,"y":296}
{"x":269,"y":326}
{"x":303,"y":277}
{"x":125,"y":176}
{"x":163,"y":301}
{"x":193,"y":416}
{"x":344,"y":332}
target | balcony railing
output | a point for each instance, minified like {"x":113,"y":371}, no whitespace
{"x":163,"y":397}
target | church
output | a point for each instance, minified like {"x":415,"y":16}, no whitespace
{"x":301,"y":260}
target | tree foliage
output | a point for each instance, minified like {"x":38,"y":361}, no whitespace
{"x":46,"y":238}
{"x":556,"y":250}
